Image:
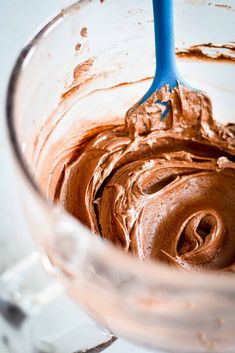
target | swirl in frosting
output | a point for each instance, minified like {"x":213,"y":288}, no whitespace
{"x":162,"y":189}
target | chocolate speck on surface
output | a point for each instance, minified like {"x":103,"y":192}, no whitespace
{"x":84,"y":32}
{"x":228,"y":7}
{"x":78,"y":46}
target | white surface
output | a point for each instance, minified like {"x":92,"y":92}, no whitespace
{"x":19,"y":21}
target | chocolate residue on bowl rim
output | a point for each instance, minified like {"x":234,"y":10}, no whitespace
{"x":82,"y":68}
{"x":202,"y":52}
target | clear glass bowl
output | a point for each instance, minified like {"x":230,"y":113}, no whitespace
{"x":64,"y":83}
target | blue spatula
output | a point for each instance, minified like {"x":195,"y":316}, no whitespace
{"x":170,"y":103}
{"x":166,"y":69}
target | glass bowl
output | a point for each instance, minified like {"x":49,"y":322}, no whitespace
{"x":86,"y":67}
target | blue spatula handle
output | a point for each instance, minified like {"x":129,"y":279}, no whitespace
{"x":166,"y":70}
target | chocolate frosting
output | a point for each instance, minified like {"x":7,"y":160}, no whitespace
{"x":160,"y":188}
